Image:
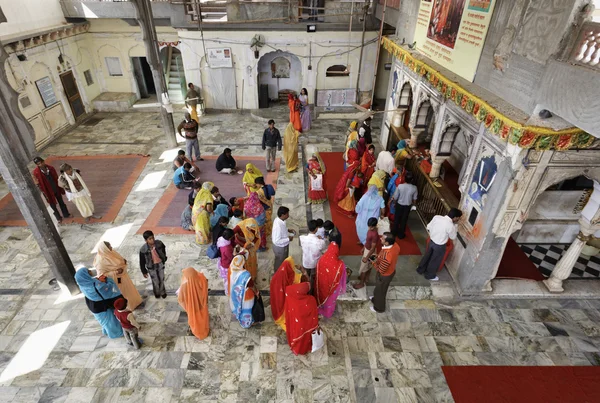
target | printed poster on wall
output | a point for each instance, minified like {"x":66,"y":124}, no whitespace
{"x":219,"y":57}
{"x":452,"y":33}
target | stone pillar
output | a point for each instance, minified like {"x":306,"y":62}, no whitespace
{"x":146,"y":21}
{"x":13,"y":167}
{"x":436,"y":166}
{"x":564,"y":267}
{"x":414,"y":136}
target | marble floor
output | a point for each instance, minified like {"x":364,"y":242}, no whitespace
{"x":52,"y":350}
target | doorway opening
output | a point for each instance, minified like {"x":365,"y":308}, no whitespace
{"x":279,"y":74}
{"x":143,"y":76}
{"x":72,"y":93}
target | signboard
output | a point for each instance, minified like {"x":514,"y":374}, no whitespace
{"x":44,"y":86}
{"x":341,"y":97}
{"x":452,"y":32}
{"x":219,"y":57}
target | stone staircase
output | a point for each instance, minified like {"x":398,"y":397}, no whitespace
{"x":176,"y":73}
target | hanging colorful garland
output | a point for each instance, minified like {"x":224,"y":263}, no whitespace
{"x":508,"y":130}
{"x":172,"y":44}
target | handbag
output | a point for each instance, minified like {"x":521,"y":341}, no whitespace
{"x":258,"y":310}
{"x":383,"y":226}
{"x":318,"y":339}
{"x":213,"y":252}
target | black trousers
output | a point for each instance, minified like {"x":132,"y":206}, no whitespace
{"x":400,"y":220}
{"x":432,"y":260}
{"x":63,"y":207}
{"x":382,"y":283}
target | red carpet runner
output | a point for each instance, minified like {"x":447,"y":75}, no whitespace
{"x":334,"y":163}
{"x":498,"y":384}
{"x":516,"y":264}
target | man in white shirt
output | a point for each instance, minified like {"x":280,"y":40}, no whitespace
{"x":404,"y":197}
{"x":440,"y":228}
{"x":281,"y":236}
{"x":312,"y":248}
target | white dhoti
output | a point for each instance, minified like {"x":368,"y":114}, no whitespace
{"x":83,"y":201}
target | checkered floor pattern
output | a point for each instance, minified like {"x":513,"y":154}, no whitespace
{"x":545,"y":258}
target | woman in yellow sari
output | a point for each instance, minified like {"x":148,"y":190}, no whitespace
{"x":290,"y":148}
{"x":378,"y":179}
{"x":203,"y":207}
{"x":351,"y":135}
{"x":287,"y":274}
{"x":252,"y":172}
{"x":247,"y":235}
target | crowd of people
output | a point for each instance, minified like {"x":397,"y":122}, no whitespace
{"x":374,"y":190}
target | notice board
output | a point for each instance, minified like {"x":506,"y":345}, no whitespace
{"x":339,"y":97}
{"x":44,"y":86}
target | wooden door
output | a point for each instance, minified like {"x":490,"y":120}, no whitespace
{"x":72,"y":93}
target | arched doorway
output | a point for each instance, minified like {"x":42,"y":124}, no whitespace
{"x":425,"y":123}
{"x":551,"y":226}
{"x":278,"y":74}
{"x":172,"y":62}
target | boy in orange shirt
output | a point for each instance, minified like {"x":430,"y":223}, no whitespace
{"x":386,"y":270}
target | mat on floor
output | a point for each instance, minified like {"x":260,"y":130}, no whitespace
{"x":502,"y":384}
{"x":108,"y":177}
{"x":516,"y":264}
{"x":165,"y":217}
{"x":334,"y":164}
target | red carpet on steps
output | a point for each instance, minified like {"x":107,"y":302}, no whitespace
{"x":334,"y":164}
{"x":499,"y":384}
{"x":516,"y":264}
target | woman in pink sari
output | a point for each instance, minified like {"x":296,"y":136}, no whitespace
{"x":330,"y":280}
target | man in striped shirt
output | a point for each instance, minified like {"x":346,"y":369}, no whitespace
{"x":385,"y":263}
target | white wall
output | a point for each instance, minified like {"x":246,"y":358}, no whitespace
{"x":265,"y":76}
{"x":29,"y":15}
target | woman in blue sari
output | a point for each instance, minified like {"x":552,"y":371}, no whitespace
{"x":370,"y":205}
{"x":221,"y":211}
{"x":100,"y":294}
{"x":241,"y":289}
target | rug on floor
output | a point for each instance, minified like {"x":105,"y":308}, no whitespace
{"x":109,"y":178}
{"x":334,"y":164}
{"x":527,"y":384}
{"x":165,"y":217}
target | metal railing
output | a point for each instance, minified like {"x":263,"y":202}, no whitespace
{"x":586,"y":51}
{"x":432,"y":200}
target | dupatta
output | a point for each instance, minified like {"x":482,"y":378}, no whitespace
{"x":193,"y":298}
{"x":301,"y":310}
{"x":328,"y":273}
{"x":107,"y":260}
{"x":284,"y":276}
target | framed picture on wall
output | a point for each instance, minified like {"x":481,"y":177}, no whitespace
{"x":44,"y":86}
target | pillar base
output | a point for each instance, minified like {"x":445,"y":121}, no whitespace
{"x":553,"y":285}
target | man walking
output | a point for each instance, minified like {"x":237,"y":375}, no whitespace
{"x":191,"y":101}
{"x":190,"y":130}
{"x":441,"y":228}
{"x":47,"y":180}
{"x":77,"y":192}
{"x":405,"y":196}
{"x":281,"y":236}
{"x":271,"y":139}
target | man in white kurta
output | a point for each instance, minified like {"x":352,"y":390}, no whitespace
{"x":77,"y":191}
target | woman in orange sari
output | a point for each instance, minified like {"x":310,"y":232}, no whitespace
{"x":295,"y":105}
{"x":247,"y":235}
{"x":193,"y":298}
{"x":287,"y":274}
{"x":303,"y":317}
{"x":330,"y":280}
{"x":367,"y":165}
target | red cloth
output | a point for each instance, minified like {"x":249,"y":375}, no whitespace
{"x":302,"y":317}
{"x":315,"y":167}
{"x":426,"y":166}
{"x":361,"y":146}
{"x":341,"y":190}
{"x":253,"y":207}
{"x":367,"y":167}
{"x":121,"y":313}
{"x":45,"y":186}
{"x":449,"y":247}
{"x":328,"y":273}
{"x":353,"y":157}
{"x":283,"y":277}
{"x":295,"y":105}
{"x":373,"y":236}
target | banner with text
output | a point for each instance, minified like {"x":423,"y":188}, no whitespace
{"x":452,"y":33}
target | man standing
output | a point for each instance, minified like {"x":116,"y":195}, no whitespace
{"x":312,"y":248}
{"x":441,"y":228}
{"x":226,"y":163}
{"x":190,"y":130}
{"x":386,"y":270}
{"x":271,"y":139}
{"x":281,"y":236}
{"x":77,"y":191}
{"x":191,"y":101}
{"x":405,"y":196}
{"x":47,"y":180}
{"x":153,"y":256}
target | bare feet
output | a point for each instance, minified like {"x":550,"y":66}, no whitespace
{"x":358,"y":286}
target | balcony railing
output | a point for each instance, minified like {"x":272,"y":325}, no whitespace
{"x":587,"y":48}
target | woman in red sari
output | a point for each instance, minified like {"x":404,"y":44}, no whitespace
{"x":344,"y":191}
{"x":287,"y":274}
{"x":295,"y":105}
{"x":302,"y":317}
{"x":330,"y":280}
{"x":316,"y":167}
{"x":367,"y":165}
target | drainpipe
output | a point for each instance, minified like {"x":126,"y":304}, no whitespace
{"x":378,"y":49}
{"x":362,"y":46}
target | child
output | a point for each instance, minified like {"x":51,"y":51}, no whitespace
{"x":128,"y":323}
{"x":320,"y":229}
{"x":332,"y":234}
{"x":237,"y":203}
{"x":217,"y":231}
{"x":225,"y":244}
{"x":153,"y":256}
{"x":236,"y":219}
{"x":312,"y":248}
{"x":372,"y":245}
